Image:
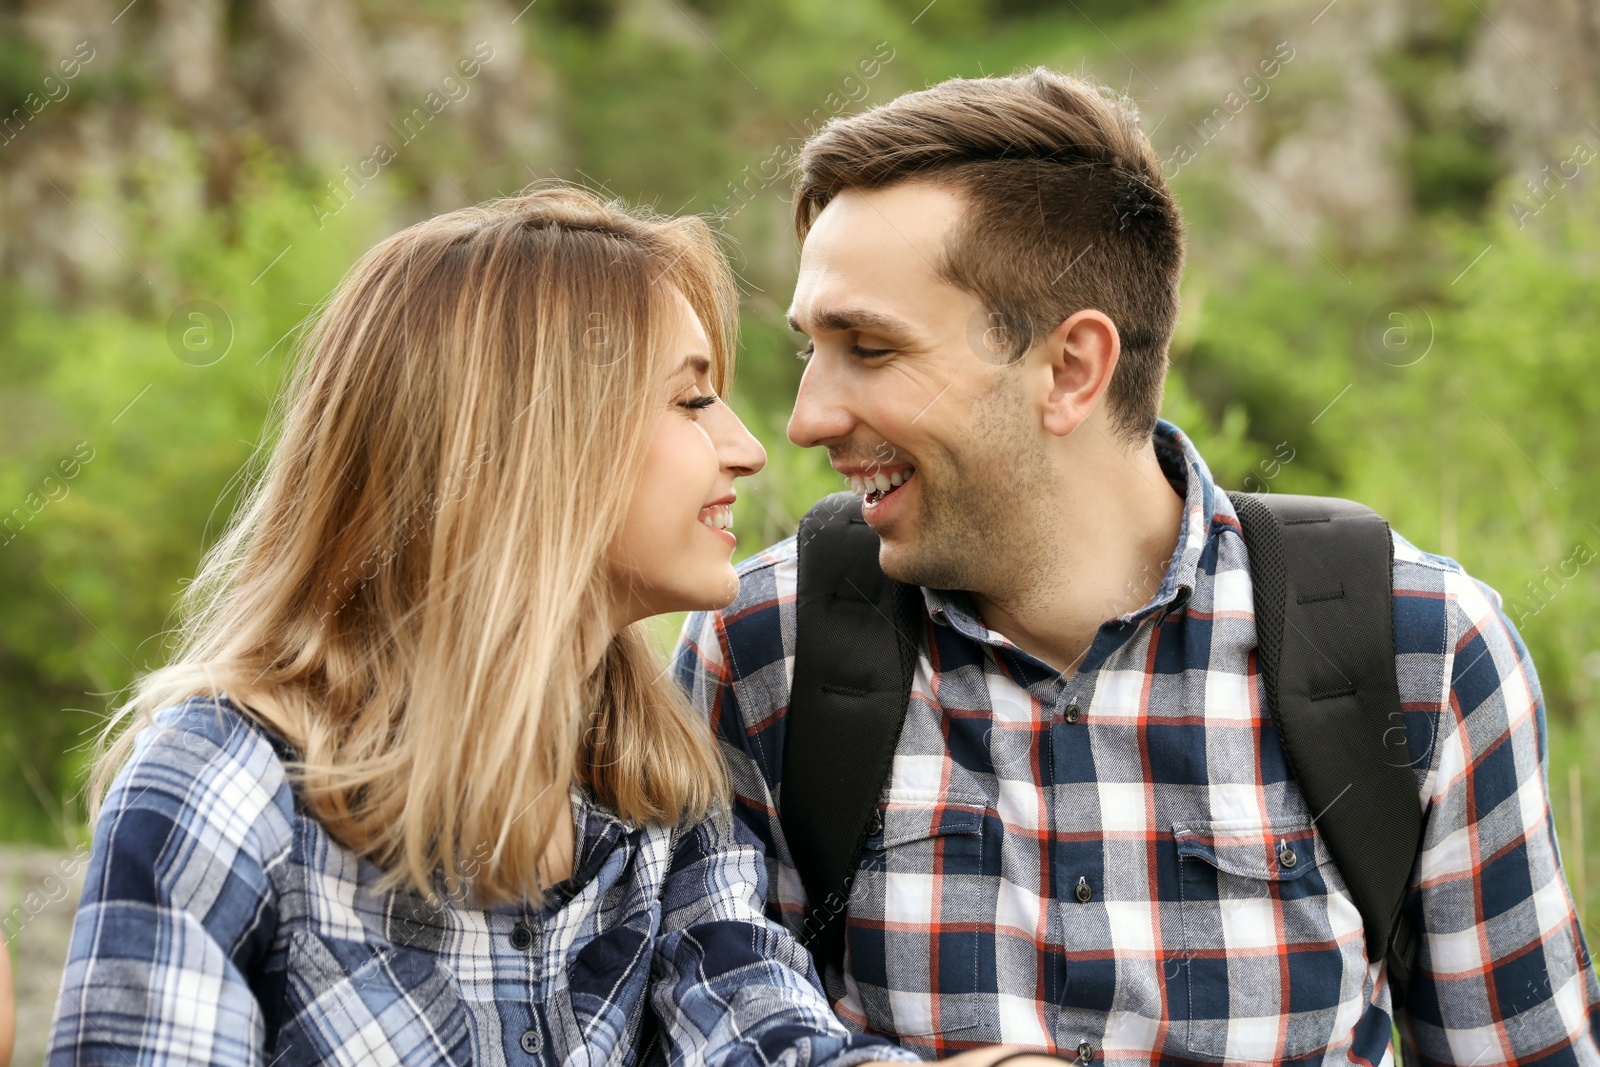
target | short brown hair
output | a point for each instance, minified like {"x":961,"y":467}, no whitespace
{"x":1068,"y":209}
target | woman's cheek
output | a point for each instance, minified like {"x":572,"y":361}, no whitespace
{"x":700,"y":461}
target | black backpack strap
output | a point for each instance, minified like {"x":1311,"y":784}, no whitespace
{"x":1323,"y":572}
{"x":846,"y":707}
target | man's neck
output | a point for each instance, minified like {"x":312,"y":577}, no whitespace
{"x":1111,"y":539}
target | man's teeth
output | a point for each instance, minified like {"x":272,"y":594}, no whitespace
{"x":718,"y":516}
{"x":862,"y":484}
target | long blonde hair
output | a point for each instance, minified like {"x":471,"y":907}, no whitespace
{"x":412,"y":585}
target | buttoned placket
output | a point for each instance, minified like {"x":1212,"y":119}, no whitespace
{"x":1079,"y":885}
{"x":527,"y":934}
{"x":1067,"y":737}
{"x":1064,"y":737}
{"x":526,"y":938}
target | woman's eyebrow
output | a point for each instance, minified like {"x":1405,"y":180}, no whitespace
{"x":695,"y":361}
{"x":839,"y":320}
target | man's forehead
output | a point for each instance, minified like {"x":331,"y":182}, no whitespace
{"x":910,"y":220}
{"x":872,"y":254}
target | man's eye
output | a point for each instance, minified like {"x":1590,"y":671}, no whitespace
{"x":856,"y":350}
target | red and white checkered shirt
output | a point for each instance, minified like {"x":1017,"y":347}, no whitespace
{"x":1101,"y":861}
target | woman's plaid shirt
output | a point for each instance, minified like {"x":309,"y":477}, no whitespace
{"x":221,"y":925}
{"x":1093,"y":861}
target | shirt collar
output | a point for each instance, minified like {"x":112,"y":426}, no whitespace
{"x":601,"y":834}
{"x":1203,"y":509}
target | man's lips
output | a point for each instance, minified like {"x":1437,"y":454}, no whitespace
{"x":878,"y":504}
{"x":878,"y":479}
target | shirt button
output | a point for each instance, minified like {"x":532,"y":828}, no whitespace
{"x":1085,"y":1052}
{"x":1072,"y":713}
{"x":875,"y":824}
{"x":1286,"y":857}
{"x":1083,"y":891}
{"x":521,"y":937}
{"x":532,"y":1041}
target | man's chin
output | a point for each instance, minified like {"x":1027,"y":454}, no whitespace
{"x":909,"y":555}
{"x":898,"y":545}
{"x":900,"y":560}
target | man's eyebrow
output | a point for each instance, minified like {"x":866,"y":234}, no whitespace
{"x":840,"y":320}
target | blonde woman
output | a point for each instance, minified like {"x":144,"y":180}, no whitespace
{"x":414,"y":787}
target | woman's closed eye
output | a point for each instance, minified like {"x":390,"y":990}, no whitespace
{"x":698,"y":403}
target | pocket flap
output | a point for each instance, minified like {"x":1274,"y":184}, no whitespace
{"x":1250,"y":849}
{"x":906,"y":822}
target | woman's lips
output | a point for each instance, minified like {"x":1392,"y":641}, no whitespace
{"x":718,"y":518}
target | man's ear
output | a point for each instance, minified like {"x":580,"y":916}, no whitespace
{"x":1077,"y":359}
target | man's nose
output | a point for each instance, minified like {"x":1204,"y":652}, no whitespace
{"x":820,"y":415}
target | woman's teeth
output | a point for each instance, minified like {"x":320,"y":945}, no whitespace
{"x":718,"y":516}
{"x":863,"y":484}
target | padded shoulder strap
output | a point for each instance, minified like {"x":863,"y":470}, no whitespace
{"x":1323,"y":572}
{"x":855,"y":653}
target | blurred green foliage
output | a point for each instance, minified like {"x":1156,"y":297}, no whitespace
{"x":1450,"y":156}
{"x":1480,"y":446}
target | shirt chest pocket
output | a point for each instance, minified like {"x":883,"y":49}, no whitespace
{"x":1272,"y":942}
{"x":916,"y":918}
{"x":349,"y":1002}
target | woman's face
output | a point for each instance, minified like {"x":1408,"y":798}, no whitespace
{"x":675,"y":548}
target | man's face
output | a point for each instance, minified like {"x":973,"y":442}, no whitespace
{"x":905,"y":384}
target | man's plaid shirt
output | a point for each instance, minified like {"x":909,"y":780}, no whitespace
{"x":1096,"y":858}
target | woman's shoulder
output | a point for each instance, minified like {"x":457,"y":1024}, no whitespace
{"x":203,"y":771}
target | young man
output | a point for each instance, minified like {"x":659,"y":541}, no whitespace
{"x":1090,"y":840}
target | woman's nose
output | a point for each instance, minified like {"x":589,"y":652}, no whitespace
{"x":740,"y":452}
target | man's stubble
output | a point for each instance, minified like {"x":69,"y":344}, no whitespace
{"x":985,"y":517}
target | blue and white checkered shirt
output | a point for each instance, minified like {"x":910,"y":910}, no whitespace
{"x":221,"y":925}
{"x":1094,"y":861}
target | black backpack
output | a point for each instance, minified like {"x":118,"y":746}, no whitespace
{"x":1322,"y":569}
